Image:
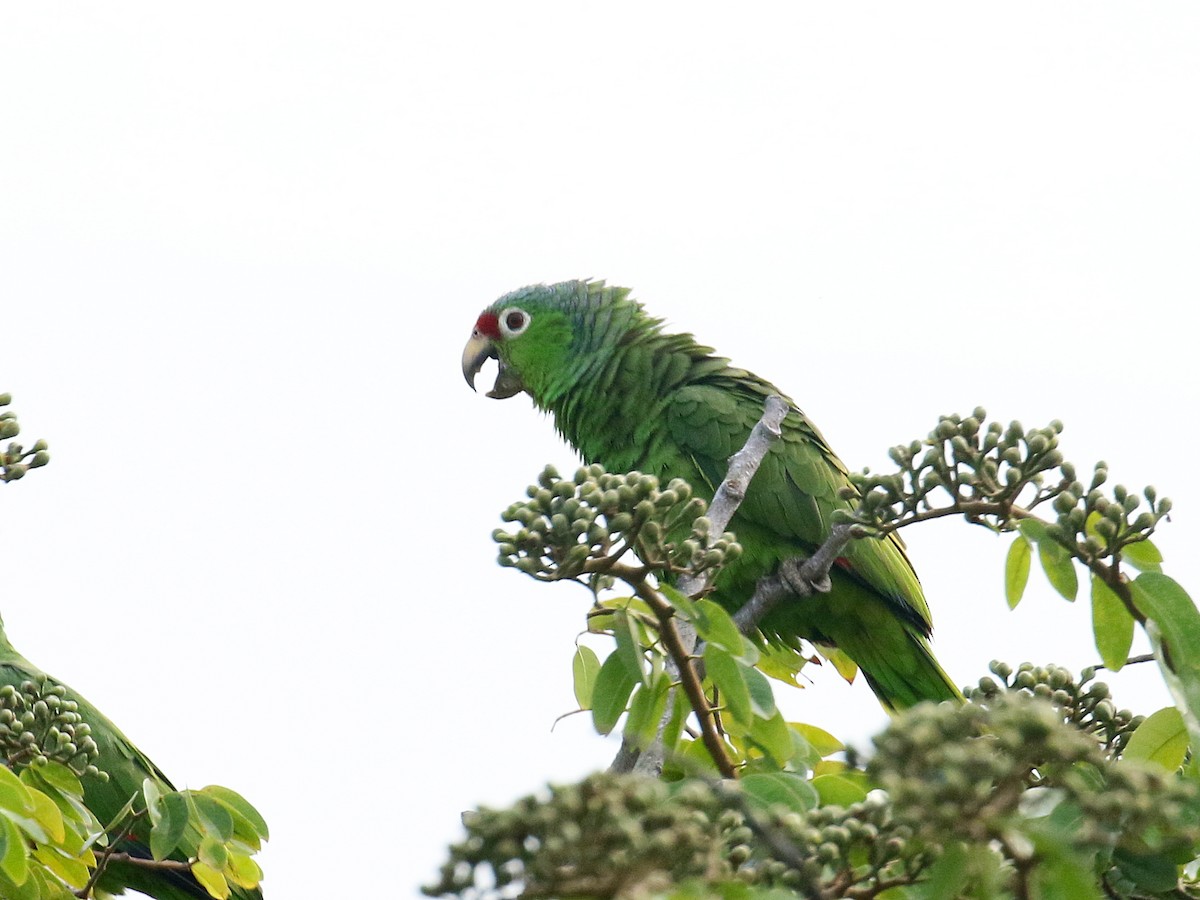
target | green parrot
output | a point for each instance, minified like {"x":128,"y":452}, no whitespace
{"x":630,"y":396}
{"x":127,"y":768}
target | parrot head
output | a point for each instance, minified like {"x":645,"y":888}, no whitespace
{"x":542,"y":335}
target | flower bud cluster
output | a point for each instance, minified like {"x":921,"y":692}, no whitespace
{"x":38,"y":723}
{"x":968,"y":461}
{"x":568,"y":528}
{"x":1084,"y":703}
{"x":606,"y":836}
{"x":973,"y":773}
{"x":826,"y":851}
{"x":620,"y":835}
{"x":995,"y":475}
{"x":15,"y":460}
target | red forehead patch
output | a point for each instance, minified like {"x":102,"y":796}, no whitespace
{"x":488,"y":324}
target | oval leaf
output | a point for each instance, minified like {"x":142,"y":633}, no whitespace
{"x":821,"y":740}
{"x":726,"y":674}
{"x":241,"y":807}
{"x":717,"y":627}
{"x":614,"y":683}
{"x":1016,"y":570}
{"x":836,"y":790}
{"x":628,"y":646}
{"x":1161,"y":739}
{"x":773,"y":736}
{"x":767,"y":789}
{"x":168,"y":830}
{"x":213,"y":818}
{"x":646,"y":711}
{"x":1112,"y":625}
{"x":1142,"y":555}
{"x":212,"y":880}
{"x":1059,"y":568}
{"x":585,"y":666}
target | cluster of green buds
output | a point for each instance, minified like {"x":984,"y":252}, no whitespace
{"x":581,"y":527}
{"x":1084,"y":703}
{"x":1100,"y":526}
{"x":38,"y":723}
{"x":959,"y":772}
{"x":609,"y":835}
{"x":991,"y":468}
{"x":15,"y":460}
{"x":984,"y":774}
{"x":830,"y":851}
{"x":621,"y":835}
{"x":996,"y":475}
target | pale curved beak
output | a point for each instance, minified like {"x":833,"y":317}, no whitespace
{"x":479,"y":349}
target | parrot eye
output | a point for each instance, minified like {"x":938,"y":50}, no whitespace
{"x":513,"y":321}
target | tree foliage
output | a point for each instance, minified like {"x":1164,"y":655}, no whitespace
{"x":1037,"y":786}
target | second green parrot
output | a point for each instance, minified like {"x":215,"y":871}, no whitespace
{"x":630,"y":396}
{"x":127,"y":768}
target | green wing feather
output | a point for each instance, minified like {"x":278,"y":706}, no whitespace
{"x":876,"y":612}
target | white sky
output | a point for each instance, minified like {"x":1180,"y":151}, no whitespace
{"x":242,"y":244}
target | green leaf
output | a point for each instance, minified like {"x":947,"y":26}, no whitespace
{"x":1059,"y":567}
{"x":56,"y":774}
{"x":213,"y":853}
{"x":1162,"y":599}
{"x":243,"y":871}
{"x":680,"y":710}
{"x":835,"y":790}
{"x":214,"y":818}
{"x":153,"y":794}
{"x":1154,"y":873}
{"x":628,"y":646}
{"x":819,"y":739}
{"x":14,"y":795}
{"x":774,"y":737}
{"x":727,"y":675}
{"x":762,"y":698}
{"x":70,"y":870}
{"x":614,"y":683}
{"x":1174,"y":628}
{"x":1112,"y":625}
{"x":680,"y":601}
{"x":1161,"y":739}
{"x":646,"y":711}
{"x":14,"y":857}
{"x":212,"y":880}
{"x":767,"y":789}
{"x":585,"y":666}
{"x":781,"y":663}
{"x":167,"y":832}
{"x":1034,"y":530}
{"x":1016,"y":570}
{"x":48,"y":816}
{"x":241,"y":806}
{"x":717,"y":627}
{"x":1142,"y":555}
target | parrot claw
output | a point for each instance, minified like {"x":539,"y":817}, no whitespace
{"x":802,"y":582}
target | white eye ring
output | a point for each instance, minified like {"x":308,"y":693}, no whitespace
{"x":513,"y":321}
